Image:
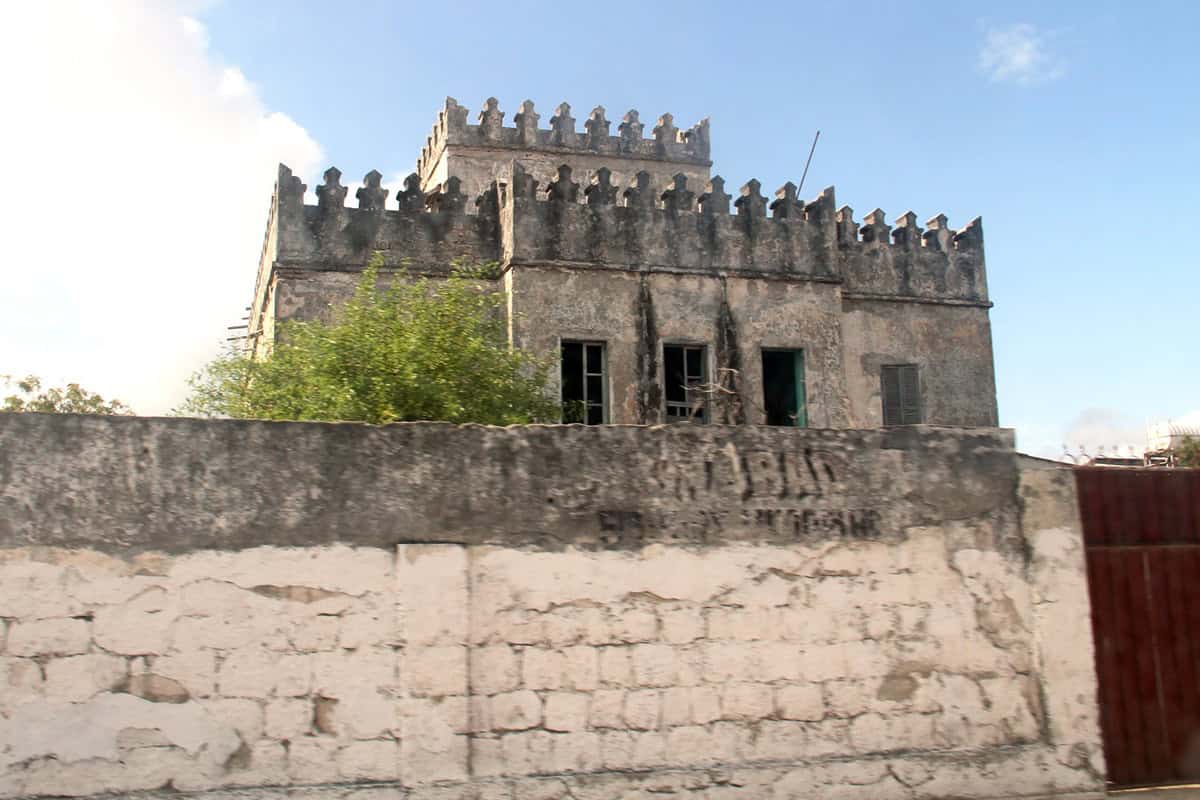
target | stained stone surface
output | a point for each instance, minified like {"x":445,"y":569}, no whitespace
{"x":594,"y":229}
{"x":271,"y":610}
{"x":130,"y":484}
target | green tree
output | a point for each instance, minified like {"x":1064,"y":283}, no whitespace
{"x":73,"y":399}
{"x":1188,"y":452}
{"x":415,"y":350}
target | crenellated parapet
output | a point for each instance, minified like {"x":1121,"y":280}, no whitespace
{"x":594,"y":221}
{"x":903,"y":260}
{"x":665,"y":142}
{"x":426,"y":232}
{"x":669,"y":227}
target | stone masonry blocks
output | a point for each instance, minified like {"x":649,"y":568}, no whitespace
{"x":938,"y":659}
{"x":432,"y":605}
{"x":431,"y":591}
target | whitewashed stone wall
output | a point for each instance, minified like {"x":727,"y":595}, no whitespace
{"x":942,"y":658}
{"x":868,"y":670}
{"x":262,"y":667}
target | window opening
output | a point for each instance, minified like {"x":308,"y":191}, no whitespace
{"x":901,"y":394}
{"x":685,"y":370}
{"x":583,"y":384}
{"x":784,"y":395}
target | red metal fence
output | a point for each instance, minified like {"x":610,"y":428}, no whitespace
{"x":1142,"y":531}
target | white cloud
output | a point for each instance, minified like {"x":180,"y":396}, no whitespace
{"x":1018,"y":54}
{"x":139,"y":173}
{"x":234,"y":85}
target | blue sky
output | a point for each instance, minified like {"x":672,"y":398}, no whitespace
{"x":1071,"y":128}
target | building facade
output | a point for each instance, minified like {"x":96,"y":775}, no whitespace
{"x":663,"y":297}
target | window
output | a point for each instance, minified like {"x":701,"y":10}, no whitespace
{"x":783,"y":387}
{"x":686,"y":373}
{"x":583,"y":390}
{"x":901,"y":393}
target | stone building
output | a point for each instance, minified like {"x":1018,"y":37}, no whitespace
{"x":621,"y":254}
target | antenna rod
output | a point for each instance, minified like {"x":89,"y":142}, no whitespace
{"x":812,"y":150}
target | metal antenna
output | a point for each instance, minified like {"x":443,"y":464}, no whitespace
{"x":812,"y":150}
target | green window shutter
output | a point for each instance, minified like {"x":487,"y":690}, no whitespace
{"x":784,"y":395}
{"x":801,"y":392}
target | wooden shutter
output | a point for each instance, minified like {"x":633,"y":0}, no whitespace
{"x":890,"y":378}
{"x":910,"y":395}
{"x":901,"y":390}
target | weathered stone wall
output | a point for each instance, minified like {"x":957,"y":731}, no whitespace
{"x":311,"y":294}
{"x":306,"y":294}
{"x":478,"y":167}
{"x":845,"y":339}
{"x":951,"y":344}
{"x":802,"y":278}
{"x":422,"y":233}
{"x":258,"y":667}
{"x":630,"y":211}
{"x":645,"y":234}
{"x":437,"y":611}
{"x":635,"y":316}
{"x":910,"y":261}
{"x":671,"y":226}
{"x":476,"y":153}
{"x":312,"y":255}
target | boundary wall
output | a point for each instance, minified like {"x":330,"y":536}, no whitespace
{"x":437,"y":611}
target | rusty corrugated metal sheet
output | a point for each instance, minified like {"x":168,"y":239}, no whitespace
{"x":1142,"y":531}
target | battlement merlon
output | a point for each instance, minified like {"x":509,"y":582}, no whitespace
{"x":424,"y":233}
{"x":879,"y":261}
{"x":287,"y":196}
{"x":666,"y":142}
{"x":590,"y":221}
{"x":672,"y":227}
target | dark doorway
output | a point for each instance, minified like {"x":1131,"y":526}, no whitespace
{"x":583,"y":390}
{"x":783,"y":387}
{"x":683,"y":366}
